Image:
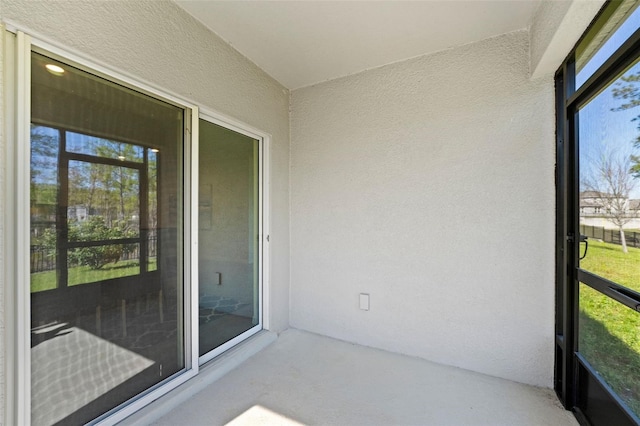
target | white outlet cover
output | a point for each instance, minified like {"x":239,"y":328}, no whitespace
{"x":364,"y":301}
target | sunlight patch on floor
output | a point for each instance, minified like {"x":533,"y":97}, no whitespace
{"x":259,"y":415}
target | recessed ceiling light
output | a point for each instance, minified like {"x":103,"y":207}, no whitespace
{"x":155,"y":150}
{"x":54,"y":69}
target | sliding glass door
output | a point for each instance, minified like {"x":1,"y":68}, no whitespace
{"x":106,"y":209}
{"x":140,"y":239}
{"x":228,"y":235}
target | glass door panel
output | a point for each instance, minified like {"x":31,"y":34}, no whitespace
{"x":609,"y":339}
{"x":227,"y":235}
{"x":609,"y":215}
{"x":106,"y":251}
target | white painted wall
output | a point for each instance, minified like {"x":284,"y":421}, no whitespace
{"x":430,"y":185}
{"x":158,"y":42}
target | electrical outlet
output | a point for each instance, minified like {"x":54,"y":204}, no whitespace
{"x":364,"y":301}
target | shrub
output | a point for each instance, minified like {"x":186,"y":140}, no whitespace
{"x":94,"y":229}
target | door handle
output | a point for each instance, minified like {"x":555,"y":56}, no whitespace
{"x":584,"y":239}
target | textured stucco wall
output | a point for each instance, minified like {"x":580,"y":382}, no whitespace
{"x":555,"y":29}
{"x":545,"y":24}
{"x":429,"y":184}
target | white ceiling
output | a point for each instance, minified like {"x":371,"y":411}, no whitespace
{"x":300,"y":43}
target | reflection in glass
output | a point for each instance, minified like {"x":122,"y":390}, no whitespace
{"x":99,"y":147}
{"x":104,"y":202}
{"x":152,"y":252}
{"x":102,"y":262}
{"x":609,"y":339}
{"x":106,"y":231}
{"x":45,"y":143}
{"x":152,"y":214}
{"x":228,"y":235}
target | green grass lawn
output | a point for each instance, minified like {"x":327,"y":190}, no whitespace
{"x":609,"y":331}
{"x":83,"y":274}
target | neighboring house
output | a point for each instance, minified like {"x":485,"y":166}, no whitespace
{"x":77,"y":213}
{"x":591,"y":204}
{"x":597,"y":209}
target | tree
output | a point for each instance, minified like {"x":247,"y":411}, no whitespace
{"x":627,"y":89}
{"x":152,"y":203}
{"x":121,"y":184}
{"x":107,"y":190}
{"x":610,"y":182}
{"x":44,"y":180}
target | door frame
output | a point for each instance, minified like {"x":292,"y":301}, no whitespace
{"x":18,"y":42}
{"x":263,"y":225}
{"x":576,"y":382}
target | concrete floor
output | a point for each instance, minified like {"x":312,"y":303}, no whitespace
{"x":304,"y":378}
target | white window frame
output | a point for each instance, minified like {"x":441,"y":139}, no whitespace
{"x":18,"y":45}
{"x":263,"y":144}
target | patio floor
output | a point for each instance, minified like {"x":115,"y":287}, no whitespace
{"x":303,"y":378}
